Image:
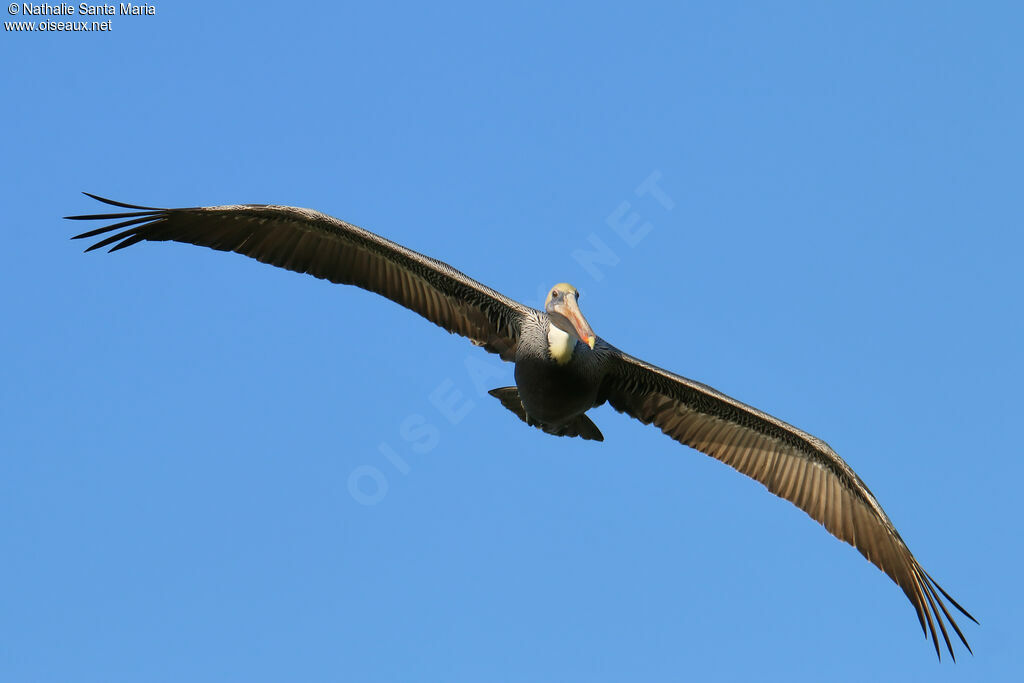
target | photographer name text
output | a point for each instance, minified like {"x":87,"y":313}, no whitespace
{"x":84,"y":9}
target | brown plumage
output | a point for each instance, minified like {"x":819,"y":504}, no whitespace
{"x":562,"y":368}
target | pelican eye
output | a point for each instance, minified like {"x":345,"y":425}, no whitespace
{"x":554,"y":293}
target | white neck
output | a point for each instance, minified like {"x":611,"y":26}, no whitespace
{"x":560,"y":344}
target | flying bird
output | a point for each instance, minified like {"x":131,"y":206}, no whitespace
{"x":562,"y":369}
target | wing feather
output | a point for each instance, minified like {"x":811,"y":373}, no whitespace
{"x":791,"y":463}
{"x":307,"y":241}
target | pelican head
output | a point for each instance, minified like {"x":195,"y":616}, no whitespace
{"x":562,"y":305}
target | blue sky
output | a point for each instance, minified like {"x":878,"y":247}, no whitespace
{"x":838,"y":243}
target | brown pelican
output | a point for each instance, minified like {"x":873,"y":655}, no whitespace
{"x":562,"y":369}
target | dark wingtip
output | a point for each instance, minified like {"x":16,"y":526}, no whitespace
{"x":140,"y":210}
{"x":136,"y":219}
{"x":954,"y":602}
{"x":134,"y":239}
{"x":121,"y":204}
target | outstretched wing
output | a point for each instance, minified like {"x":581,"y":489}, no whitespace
{"x":792,"y":464}
{"x":308,"y":241}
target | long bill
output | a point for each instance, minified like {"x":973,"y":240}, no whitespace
{"x":570,"y":310}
